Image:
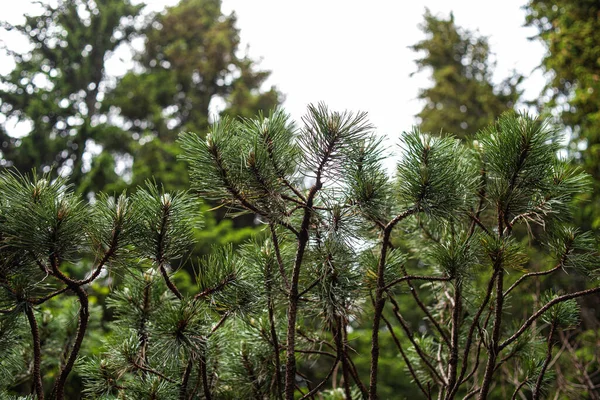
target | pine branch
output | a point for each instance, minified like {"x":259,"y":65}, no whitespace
{"x":37,"y":353}
{"x":540,"y":379}
{"x":529,"y":274}
{"x":542,"y":310}
{"x":153,"y":372}
{"x":44,"y":299}
{"x":409,"y":365}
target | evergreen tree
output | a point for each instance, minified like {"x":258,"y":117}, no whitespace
{"x":58,"y":84}
{"x":260,"y":317}
{"x":463,"y":98}
{"x":571,"y":33}
{"x":190,"y":62}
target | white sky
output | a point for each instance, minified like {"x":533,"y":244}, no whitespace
{"x":354,"y":54}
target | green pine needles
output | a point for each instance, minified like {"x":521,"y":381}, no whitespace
{"x":433,"y":260}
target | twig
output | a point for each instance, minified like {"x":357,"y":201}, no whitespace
{"x":542,"y":310}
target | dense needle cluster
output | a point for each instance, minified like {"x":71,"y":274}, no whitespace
{"x":345,"y":247}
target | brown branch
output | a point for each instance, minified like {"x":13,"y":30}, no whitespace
{"x":112,"y":249}
{"x":323,"y":353}
{"x":417,"y":277}
{"x":456,"y":313}
{"x":496,"y":330}
{"x":542,"y":310}
{"x":59,"y":385}
{"x":540,"y":379}
{"x":404,"y":357}
{"x":480,"y":224}
{"x":272,"y":329}
{"x":41,"y":300}
{"x":514,"y":396}
{"x":152,"y":371}
{"x":410,"y":335}
{"x":323,"y":382}
{"x":514,"y":285}
{"x":303,"y":236}
{"x":353,"y":370}
{"x":37,"y":353}
{"x":275,"y":240}
{"x":469,"y":341}
{"x":379,"y":301}
{"x":423,"y":308}
{"x":218,"y":287}
{"x":184,"y":380}
{"x":169,"y":282}
{"x":220,"y":322}
{"x":204,"y":373}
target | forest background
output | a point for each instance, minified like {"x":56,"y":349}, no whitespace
{"x":98,"y":92}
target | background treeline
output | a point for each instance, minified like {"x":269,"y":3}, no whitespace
{"x":106,"y":134}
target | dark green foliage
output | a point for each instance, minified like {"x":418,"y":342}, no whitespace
{"x":570,"y":32}
{"x":278,"y":317}
{"x":190,"y":60}
{"x":428,"y":164}
{"x":463,"y":98}
{"x":57,"y":85}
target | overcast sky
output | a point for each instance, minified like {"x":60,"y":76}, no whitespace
{"x":354,"y":54}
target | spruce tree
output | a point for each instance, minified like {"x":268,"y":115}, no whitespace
{"x":58,"y":83}
{"x":260,"y":317}
{"x":463,"y":98}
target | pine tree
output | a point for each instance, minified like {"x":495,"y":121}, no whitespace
{"x":259,"y":317}
{"x":463,"y":99}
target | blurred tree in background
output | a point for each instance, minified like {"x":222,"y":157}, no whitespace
{"x":58,"y":84}
{"x":463,"y":98}
{"x":189,"y":64}
{"x":77,"y":112}
{"x":571,"y":32}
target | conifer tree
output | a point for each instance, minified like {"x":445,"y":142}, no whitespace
{"x":570,"y":33}
{"x":293,"y":296}
{"x":463,"y":98}
{"x":58,"y":83}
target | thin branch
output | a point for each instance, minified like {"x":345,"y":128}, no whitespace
{"x":185,"y":379}
{"x":514,"y":285}
{"x":404,"y":357}
{"x":423,"y":308}
{"x":540,"y":379}
{"x":275,"y":241}
{"x":417,"y":277}
{"x":323,"y":353}
{"x":542,"y":310}
{"x":514,"y":396}
{"x":170,"y":283}
{"x":409,"y":334}
{"x":469,"y":341}
{"x":218,"y":287}
{"x":323,"y":382}
{"x":480,"y":224}
{"x":41,"y":300}
{"x":153,"y":372}
{"x":494,"y":350}
{"x":379,"y":301}
{"x":37,"y":353}
{"x":59,"y":385}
